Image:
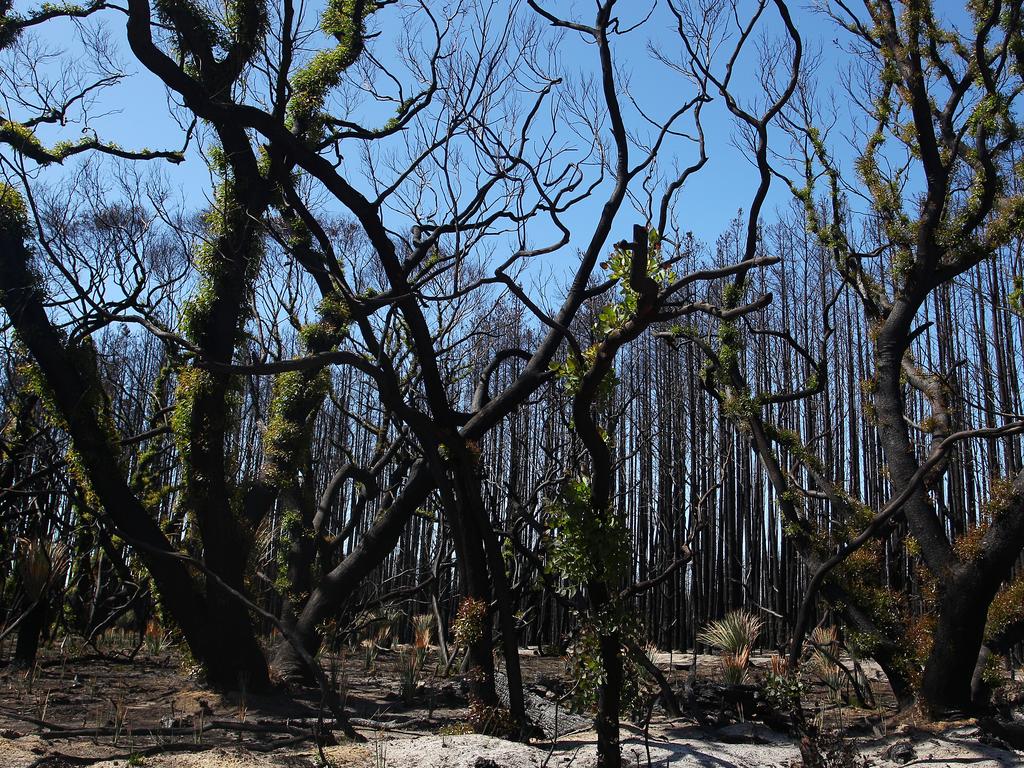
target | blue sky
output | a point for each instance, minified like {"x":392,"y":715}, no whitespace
{"x":137,"y":109}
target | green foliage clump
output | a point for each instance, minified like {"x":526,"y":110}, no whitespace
{"x":146,"y":479}
{"x":229,"y":235}
{"x":330,"y":329}
{"x":194,"y":384}
{"x":889,"y":611}
{"x":782,"y":691}
{"x":8,"y":31}
{"x":19,"y":136}
{"x":13,"y":213}
{"x":293,"y":531}
{"x":230,"y":252}
{"x":345,"y":20}
{"x":887,"y":608}
{"x":592,"y":547}
{"x":862,"y":565}
{"x":615,"y":314}
{"x":24,"y":140}
{"x":587,"y":669}
{"x":729,"y":345}
{"x":1007,"y":608}
{"x":572,"y":371}
{"x":1001,"y":498}
{"x":733,"y":293}
{"x":992,"y":671}
{"x":968,"y":545}
{"x":919,"y":637}
{"x":94,"y":404}
{"x":296,"y":397}
{"x":198,"y":18}
{"x":589,"y":545}
{"x":1016,"y":297}
{"x":791,"y":441}
{"x":470,"y":621}
{"x":613,"y":317}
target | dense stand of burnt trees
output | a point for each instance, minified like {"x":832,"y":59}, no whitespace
{"x":339,"y":388}
{"x":706,"y":491}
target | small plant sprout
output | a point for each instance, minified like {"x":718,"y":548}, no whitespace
{"x":155,"y":638}
{"x":824,"y":661}
{"x":380,"y":750}
{"x":243,"y":696}
{"x":120,"y":712}
{"x":415,"y":657}
{"x":379,"y":634}
{"x":733,"y":637}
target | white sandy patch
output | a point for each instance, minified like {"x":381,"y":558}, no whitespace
{"x":670,"y":747}
{"x":679,"y":748}
{"x":698,"y":750}
{"x":452,"y":752}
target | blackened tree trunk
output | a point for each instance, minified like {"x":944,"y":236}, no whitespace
{"x":477,"y":535}
{"x":461,"y":497}
{"x":223,"y":641}
{"x":964,"y":602}
{"x":609,"y":692}
{"x":30,"y":631}
{"x":332,"y":590}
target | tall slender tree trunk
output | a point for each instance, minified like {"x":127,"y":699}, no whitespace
{"x":480,"y":541}
{"x":609,"y":691}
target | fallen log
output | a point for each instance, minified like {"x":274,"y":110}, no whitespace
{"x":550,"y":718}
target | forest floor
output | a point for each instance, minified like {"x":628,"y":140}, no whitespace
{"x":100,"y":709}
